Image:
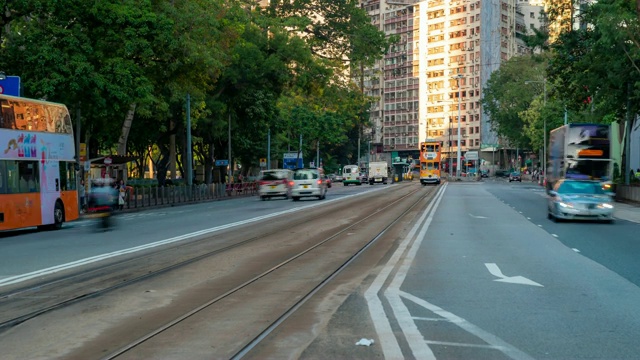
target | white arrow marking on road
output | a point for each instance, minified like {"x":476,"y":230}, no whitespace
{"x":495,"y":271}
{"x":478,"y":216}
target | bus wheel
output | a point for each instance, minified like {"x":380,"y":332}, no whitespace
{"x":58,"y":215}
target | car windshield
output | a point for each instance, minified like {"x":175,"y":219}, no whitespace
{"x":305,"y":175}
{"x":579,"y":187}
{"x":515,"y":174}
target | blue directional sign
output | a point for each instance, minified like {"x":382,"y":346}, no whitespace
{"x":10,"y":86}
{"x":222,"y":162}
{"x":292,"y":160}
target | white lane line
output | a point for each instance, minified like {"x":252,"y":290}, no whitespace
{"x":54,"y":269}
{"x":388,"y":341}
{"x":576,"y":250}
{"x":412,"y":334}
{"x":447,"y":343}
{"x":487,"y":337}
{"x":428,"y":318}
{"x":554,"y":235}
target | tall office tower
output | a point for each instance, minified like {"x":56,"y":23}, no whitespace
{"x":430,"y":82}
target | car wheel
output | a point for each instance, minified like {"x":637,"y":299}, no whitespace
{"x":263,"y":198}
{"x":549,"y":216}
{"x":296,"y":198}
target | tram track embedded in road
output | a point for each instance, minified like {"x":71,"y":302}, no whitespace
{"x":110,"y":275}
{"x":304,"y":298}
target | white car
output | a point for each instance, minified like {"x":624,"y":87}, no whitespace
{"x":274,"y":183}
{"x":308,"y":182}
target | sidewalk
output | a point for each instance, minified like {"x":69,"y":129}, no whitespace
{"x":627,"y":211}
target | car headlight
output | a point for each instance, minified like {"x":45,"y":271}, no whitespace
{"x":605,"y":206}
{"x":565,"y":204}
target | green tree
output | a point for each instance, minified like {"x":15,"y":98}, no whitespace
{"x":507,"y":96}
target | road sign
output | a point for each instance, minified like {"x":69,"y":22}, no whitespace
{"x":83,"y":152}
{"x":289,"y":160}
{"x":263,"y":162}
{"x":471,"y":155}
{"x":108,"y":161}
{"x":222,"y":162}
{"x":10,"y":86}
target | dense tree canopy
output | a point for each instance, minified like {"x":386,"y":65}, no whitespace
{"x":132,"y":63}
{"x":592,"y":73}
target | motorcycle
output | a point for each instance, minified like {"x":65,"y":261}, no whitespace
{"x":102,"y":201}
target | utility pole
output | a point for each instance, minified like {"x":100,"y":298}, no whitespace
{"x":78,"y":154}
{"x":229,"y":148}
{"x":188,"y":149}
{"x":269,"y":149}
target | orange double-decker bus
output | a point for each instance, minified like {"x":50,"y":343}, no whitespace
{"x":430,"y":157}
{"x":37,"y":164}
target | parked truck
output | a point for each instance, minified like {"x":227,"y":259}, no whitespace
{"x":580,"y":151}
{"x":378,"y":172}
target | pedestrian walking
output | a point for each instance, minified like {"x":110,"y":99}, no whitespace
{"x":122,"y":192}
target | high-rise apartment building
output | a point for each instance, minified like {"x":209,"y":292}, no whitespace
{"x":430,"y":83}
{"x":566,"y":15}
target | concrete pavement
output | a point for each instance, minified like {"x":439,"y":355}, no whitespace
{"x":626,"y":211}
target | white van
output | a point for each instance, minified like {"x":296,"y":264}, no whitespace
{"x":351,"y":175}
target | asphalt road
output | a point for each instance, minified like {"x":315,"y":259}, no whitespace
{"x":493,"y":278}
{"x":30,"y":251}
{"x":480,"y":274}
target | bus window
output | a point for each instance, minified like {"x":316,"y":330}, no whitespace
{"x":29,"y":177}
{"x":13,"y":178}
{"x":7,"y":116}
{"x":67,"y":176}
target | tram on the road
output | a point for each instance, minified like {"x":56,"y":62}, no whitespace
{"x":430,"y":157}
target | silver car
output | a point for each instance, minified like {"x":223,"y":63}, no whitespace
{"x":580,"y":200}
{"x":308,"y":182}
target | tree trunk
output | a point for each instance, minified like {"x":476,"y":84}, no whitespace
{"x":162,"y":165}
{"x":208,"y":164}
{"x":126,"y":127}
{"x":122,"y":141}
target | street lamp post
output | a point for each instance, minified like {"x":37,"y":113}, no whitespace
{"x":544,"y":129}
